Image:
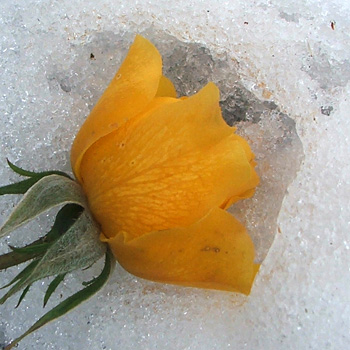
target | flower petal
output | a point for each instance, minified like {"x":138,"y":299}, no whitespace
{"x":131,"y":90}
{"x":167,"y":169}
{"x":166,"y":88}
{"x":215,"y":252}
{"x":254,"y":179}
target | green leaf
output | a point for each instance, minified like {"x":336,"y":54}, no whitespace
{"x":47,"y":193}
{"x":25,"y":291}
{"x":52,"y":287}
{"x":73,"y":301}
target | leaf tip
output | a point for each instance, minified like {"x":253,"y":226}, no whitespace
{"x":8,"y":162}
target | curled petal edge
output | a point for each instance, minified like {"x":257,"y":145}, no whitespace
{"x":215,"y":252}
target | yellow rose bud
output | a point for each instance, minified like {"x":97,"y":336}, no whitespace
{"x":159,"y":172}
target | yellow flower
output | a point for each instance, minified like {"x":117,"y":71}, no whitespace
{"x":159,"y":172}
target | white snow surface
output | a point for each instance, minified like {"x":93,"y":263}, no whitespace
{"x":291,"y":63}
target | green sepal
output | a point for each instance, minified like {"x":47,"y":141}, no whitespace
{"x":71,"y":244}
{"x":52,"y":287}
{"x":21,"y":276}
{"x":47,"y":193}
{"x":29,"y":249}
{"x":21,"y":171}
{"x":19,"y":187}
{"x":72,"y":301}
{"x":64,"y":219}
{"x":25,"y":291}
{"x":76,"y":249}
{"x":22,"y":187}
{"x":12,"y":259}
